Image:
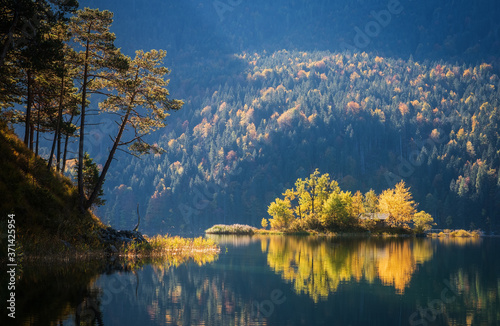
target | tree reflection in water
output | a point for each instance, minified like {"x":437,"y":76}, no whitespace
{"x":317,"y":266}
{"x":56,"y":292}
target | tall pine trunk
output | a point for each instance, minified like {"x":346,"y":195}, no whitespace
{"x":57,"y":134}
{"x":29,"y":104}
{"x":82,"y":129}
{"x":100,"y":182}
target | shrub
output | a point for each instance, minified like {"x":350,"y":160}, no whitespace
{"x":231,"y":229}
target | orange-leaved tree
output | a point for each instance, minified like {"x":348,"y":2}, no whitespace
{"x":399,"y":204}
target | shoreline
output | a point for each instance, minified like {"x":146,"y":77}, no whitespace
{"x":239,"y":229}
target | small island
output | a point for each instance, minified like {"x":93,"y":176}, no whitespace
{"x":317,"y":205}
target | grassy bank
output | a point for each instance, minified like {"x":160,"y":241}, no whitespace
{"x":239,"y":229}
{"x":48,"y":222}
{"x":44,"y":203}
{"x":161,"y":246}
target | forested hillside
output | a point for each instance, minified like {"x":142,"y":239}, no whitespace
{"x":368,"y":121}
{"x":370,"y":92}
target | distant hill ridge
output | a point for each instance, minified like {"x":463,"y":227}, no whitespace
{"x":367,"y":120}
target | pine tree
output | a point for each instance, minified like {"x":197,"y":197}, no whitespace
{"x":97,"y":57}
{"x":140,"y":97}
{"x":90,"y":180}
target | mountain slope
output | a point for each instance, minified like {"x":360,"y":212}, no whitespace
{"x":45,"y":204}
{"x":368,"y":121}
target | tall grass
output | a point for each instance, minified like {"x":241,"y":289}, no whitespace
{"x":173,"y":251}
{"x":232,"y":229}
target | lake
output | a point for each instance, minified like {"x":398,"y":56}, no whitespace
{"x":276,"y":280}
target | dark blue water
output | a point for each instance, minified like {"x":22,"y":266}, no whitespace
{"x":278,"y":280}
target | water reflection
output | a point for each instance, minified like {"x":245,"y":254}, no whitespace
{"x":49,"y":292}
{"x":318,"y":266}
{"x":72,"y":292}
{"x":274,"y":280}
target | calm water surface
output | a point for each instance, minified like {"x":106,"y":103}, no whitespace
{"x":273,"y":280}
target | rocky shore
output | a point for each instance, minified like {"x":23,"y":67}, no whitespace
{"x":114,"y":239}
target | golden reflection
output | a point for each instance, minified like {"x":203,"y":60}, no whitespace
{"x":233,"y":239}
{"x":478,"y":294}
{"x":459,"y":241}
{"x":316,"y":267}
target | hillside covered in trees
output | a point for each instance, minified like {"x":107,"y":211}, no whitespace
{"x":370,"y":92}
{"x":368,"y":121}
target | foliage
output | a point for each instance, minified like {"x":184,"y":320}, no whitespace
{"x":264,"y":223}
{"x":276,"y":115}
{"x":464,"y":234}
{"x":461,"y":233}
{"x":97,"y":58}
{"x":141,"y":86}
{"x":231,"y":135}
{"x":231,"y":229}
{"x":281,"y":214}
{"x":90,"y":179}
{"x":341,"y":210}
{"x":399,"y":204}
{"x":338,"y":210}
{"x":44,"y":203}
{"x":423,"y":222}
{"x":168,"y":245}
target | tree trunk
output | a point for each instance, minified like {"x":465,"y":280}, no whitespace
{"x":100,"y":182}
{"x":29,"y":103}
{"x":66,"y":146}
{"x":57,"y":134}
{"x":82,"y":130}
{"x":37,"y":132}
{"x":32,"y":135}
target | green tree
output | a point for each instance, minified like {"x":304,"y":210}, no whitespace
{"x":370,"y":202}
{"x":357,"y":204}
{"x":281,"y":213}
{"x":90,"y":179}
{"x":66,"y":96}
{"x":264,"y":223}
{"x":22,"y":22}
{"x":315,"y":191}
{"x":98,"y":57}
{"x":338,"y":210}
{"x":423,"y":222}
{"x":139,"y":97}
{"x":27,"y":50}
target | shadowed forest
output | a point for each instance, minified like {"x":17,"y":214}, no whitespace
{"x":371,"y":92}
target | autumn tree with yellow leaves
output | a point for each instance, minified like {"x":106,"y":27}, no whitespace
{"x":399,"y":204}
{"x":318,"y":202}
